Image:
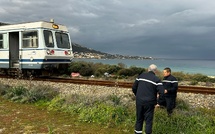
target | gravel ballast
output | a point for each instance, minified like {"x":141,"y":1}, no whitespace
{"x":194,"y":100}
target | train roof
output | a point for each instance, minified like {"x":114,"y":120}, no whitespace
{"x":33,"y":25}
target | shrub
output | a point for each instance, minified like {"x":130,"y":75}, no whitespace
{"x":211,"y":80}
{"x":193,"y":82}
{"x":84,"y":68}
{"x":15,"y":93}
{"x":180,"y":76}
{"x":113,"y":69}
{"x":137,"y":70}
{"x":200,"y":78}
{"x":86,"y":71}
{"x":126,"y":72}
{"x":34,"y":94}
{"x":122,"y":72}
{"x":100,"y":71}
{"x":40,"y":93}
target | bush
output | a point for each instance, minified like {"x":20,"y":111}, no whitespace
{"x":113,"y":69}
{"x":15,"y":93}
{"x":84,"y":68}
{"x":126,"y":72}
{"x":137,"y":70}
{"x":40,"y":93}
{"x":100,"y":72}
{"x":211,"y":80}
{"x":34,"y":94}
{"x":180,"y":76}
{"x":200,"y":78}
{"x":122,"y":72}
{"x":193,"y":82}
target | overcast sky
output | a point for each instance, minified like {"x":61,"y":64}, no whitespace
{"x":157,"y":28}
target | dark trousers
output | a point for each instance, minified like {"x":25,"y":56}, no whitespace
{"x":161,"y":100}
{"x":144,"y":113}
{"x":170,"y":104}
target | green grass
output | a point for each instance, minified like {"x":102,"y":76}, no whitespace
{"x":184,"y":122}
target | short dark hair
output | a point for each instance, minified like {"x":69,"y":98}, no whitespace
{"x":167,"y":69}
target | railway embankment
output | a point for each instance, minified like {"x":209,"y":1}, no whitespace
{"x":194,"y":100}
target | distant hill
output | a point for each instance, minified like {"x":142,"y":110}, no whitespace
{"x":84,"y":50}
{"x":78,"y":48}
{"x":2,"y":24}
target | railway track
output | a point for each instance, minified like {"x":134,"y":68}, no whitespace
{"x":186,"y":89}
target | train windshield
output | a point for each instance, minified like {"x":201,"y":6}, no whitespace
{"x":62,"y":40}
{"x":48,"y":38}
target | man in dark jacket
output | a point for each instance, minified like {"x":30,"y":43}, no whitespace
{"x":170,"y":84}
{"x":145,"y":88}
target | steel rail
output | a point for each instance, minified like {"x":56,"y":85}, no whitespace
{"x":186,"y":89}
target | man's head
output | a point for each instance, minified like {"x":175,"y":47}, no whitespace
{"x":152,"y":68}
{"x":166,"y":71}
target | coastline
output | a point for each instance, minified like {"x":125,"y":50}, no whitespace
{"x":205,"y":67}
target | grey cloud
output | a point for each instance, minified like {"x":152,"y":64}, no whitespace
{"x":179,"y":29}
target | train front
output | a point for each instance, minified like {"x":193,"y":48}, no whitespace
{"x":58,"y":48}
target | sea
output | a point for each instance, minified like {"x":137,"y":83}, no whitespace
{"x":205,"y":67}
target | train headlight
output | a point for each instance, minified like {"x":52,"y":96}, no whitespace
{"x":50,"y":52}
{"x":69,"y":52}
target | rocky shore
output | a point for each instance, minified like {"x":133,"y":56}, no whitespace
{"x":194,"y":100}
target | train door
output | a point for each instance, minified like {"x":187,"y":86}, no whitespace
{"x":13,"y":49}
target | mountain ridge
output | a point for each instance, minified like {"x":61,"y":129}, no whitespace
{"x":91,"y":53}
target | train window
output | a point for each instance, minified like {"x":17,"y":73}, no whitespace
{"x":3,"y":43}
{"x":30,"y":39}
{"x":62,"y":40}
{"x":48,"y":37}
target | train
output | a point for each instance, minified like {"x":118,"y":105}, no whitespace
{"x":34,"y":48}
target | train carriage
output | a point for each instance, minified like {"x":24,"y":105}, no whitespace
{"x":34,"y":47}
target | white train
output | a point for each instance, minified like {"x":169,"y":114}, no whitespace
{"x":34,"y":47}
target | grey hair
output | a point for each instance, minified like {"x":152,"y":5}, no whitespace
{"x":152,"y":67}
